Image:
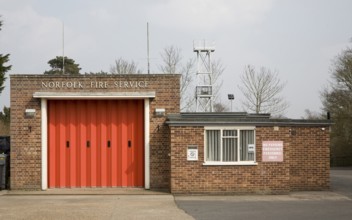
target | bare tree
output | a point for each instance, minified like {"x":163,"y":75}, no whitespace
{"x":219,"y":107}
{"x":172,"y":63}
{"x":172,"y":58}
{"x":123,"y":66}
{"x":217,"y":69}
{"x":262,"y":91}
{"x":312,"y":115}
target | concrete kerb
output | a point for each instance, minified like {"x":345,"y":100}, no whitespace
{"x":303,"y":195}
{"x":86,"y":191}
{"x":293,"y":196}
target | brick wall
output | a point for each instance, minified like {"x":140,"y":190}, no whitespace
{"x":26,"y":132}
{"x":310,"y":163}
{"x":306,"y":149}
{"x":305,"y":165}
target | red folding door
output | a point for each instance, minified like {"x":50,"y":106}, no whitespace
{"x":95,"y":143}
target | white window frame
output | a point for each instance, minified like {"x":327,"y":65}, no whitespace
{"x":221,"y":129}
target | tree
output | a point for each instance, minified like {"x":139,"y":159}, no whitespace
{"x":337,"y":100}
{"x":171,"y":64}
{"x":5,"y":115}
{"x":219,"y":107}
{"x":262,"y":91}
{"x":3,"y":68}
{"x":171,"y":57}
{"x":57,"y":64}
{"x":101,"y":72}
{"x":312,"y":115}
{"x":124,"y":67}
{"x":5,"y":121}
{"x":217,"y":69}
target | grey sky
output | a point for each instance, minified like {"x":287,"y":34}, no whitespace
{"x":297,"y":38}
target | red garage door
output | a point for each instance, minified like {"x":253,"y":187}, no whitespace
{"x":95,"y":143}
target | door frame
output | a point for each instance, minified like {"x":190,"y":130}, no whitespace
{"x":44,"y":125}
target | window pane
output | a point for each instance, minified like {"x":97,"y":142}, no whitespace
{"x":246,"y":138}
{"x":229,"y":149}
{"x":213,"y":145}
{"x":227,"y":133}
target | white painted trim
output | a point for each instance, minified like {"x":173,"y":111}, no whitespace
{"x":44,"y":143}
{"x":239,"y":127}
{"x":44,"y":153}
{"x":94,"y":95}
{"x":241,"y":163}
{"x":146,"y":145}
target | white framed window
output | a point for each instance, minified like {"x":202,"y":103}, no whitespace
{"x":229,"y":146}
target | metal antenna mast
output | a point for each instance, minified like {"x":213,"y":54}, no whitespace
{"x":204,"y":88}
{"x":63,"y":48}
{"x":148,"y":48}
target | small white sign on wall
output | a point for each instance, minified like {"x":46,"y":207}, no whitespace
{"x":192,"y":153}
{"x":251,"y":148}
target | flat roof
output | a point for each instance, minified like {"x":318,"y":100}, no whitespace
{"x":236,"y":119}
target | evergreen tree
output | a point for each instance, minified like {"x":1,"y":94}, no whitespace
{"x":3,"y":68}
{"x":56,"y":64}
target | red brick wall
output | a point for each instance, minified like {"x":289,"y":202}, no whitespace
{"x":306,"y":149}
{"x":265,"y":177}
{"x":25,"y":165}
{"x":26,"y":144}
{"x":310,"y":163}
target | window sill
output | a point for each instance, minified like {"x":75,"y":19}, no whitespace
{"x":242,"y":163}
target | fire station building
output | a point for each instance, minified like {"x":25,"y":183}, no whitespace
{"x":127,"y":131}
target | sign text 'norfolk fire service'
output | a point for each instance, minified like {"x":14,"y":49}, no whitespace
{"x":94,"y":84}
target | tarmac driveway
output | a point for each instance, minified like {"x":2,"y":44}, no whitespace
{"x":141,"y":204}
{"x":341,"y":181}
{"x":335,"y":204}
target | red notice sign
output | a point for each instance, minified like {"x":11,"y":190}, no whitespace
{"x":273,"y":151}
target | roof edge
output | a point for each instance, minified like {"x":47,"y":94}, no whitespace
{"x":239,"y":118}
